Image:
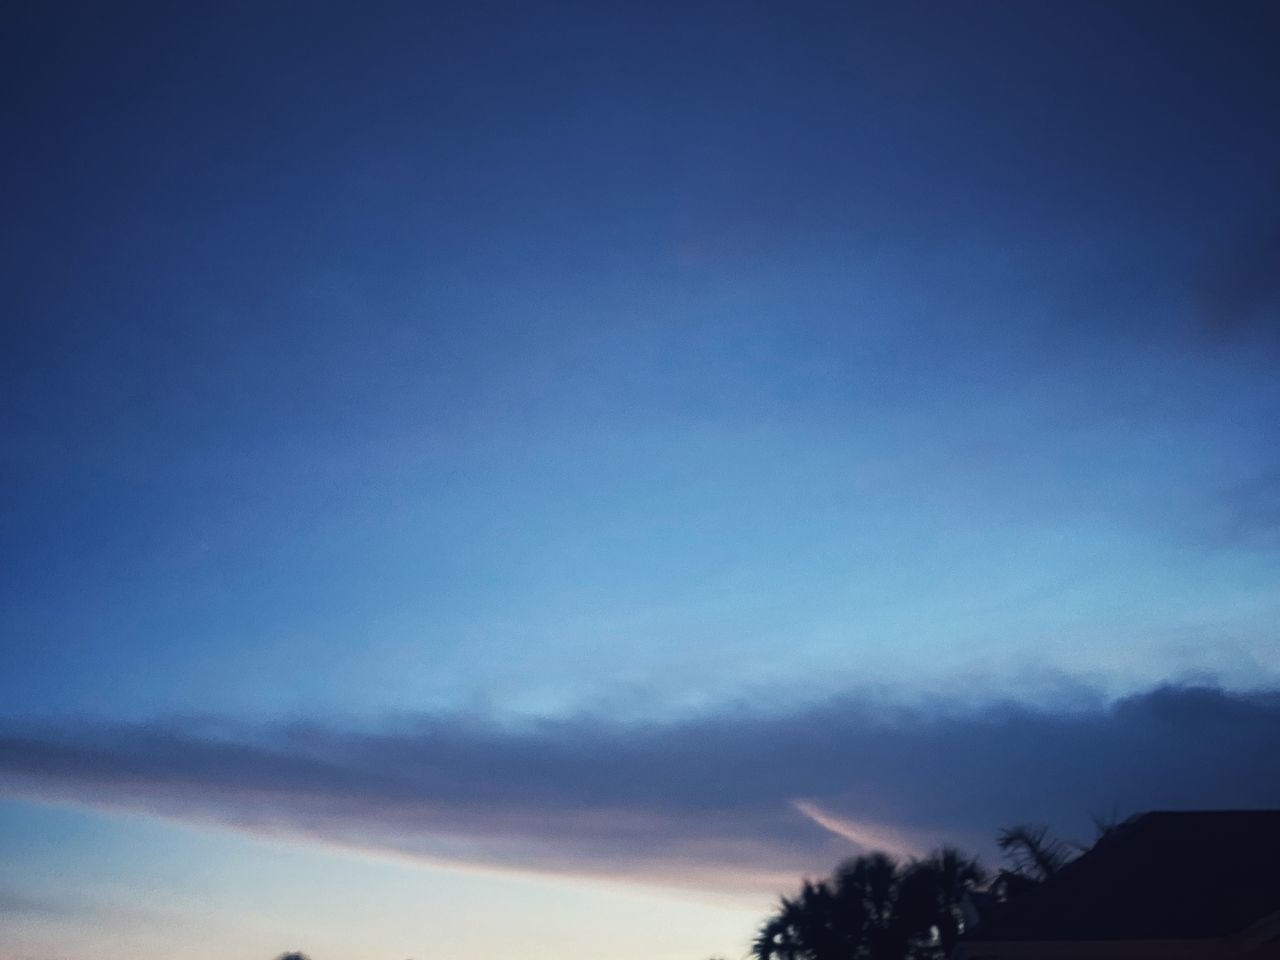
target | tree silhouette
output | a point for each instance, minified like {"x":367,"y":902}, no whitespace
{"x":873,"y":908}
{"x":933,"y":893}
{"x":1032,"y":851}
{"x":1034,"y":856}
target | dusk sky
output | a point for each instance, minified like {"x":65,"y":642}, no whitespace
{"x":610,"y":460}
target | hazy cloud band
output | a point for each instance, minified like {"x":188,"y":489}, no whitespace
{"x":732,"y":800}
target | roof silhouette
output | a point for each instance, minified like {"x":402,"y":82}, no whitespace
{"x":1159,"y":876}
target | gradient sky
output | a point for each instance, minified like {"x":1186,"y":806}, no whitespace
{"x":602,"y":461}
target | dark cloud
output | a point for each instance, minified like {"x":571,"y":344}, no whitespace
{"x":738,"y":799}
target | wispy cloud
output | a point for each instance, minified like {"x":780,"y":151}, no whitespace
{"x":868,"y":836}
{"x":733,"y":800}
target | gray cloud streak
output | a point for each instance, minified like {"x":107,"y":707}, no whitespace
{"x":724,"y":800}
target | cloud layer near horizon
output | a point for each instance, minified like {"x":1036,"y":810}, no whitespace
{"x":736,"y":800}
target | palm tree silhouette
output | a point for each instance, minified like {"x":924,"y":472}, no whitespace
{"x":874,"y":908}
{"x":1034,"y":856}
{"x":932,"y":895}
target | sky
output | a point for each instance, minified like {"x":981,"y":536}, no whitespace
{"x":597,"y":463}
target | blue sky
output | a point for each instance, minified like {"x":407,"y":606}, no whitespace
{"x":478,"y":376}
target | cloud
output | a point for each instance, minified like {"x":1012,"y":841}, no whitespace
{"x":867,"y":836}
{"x":736,"y":800}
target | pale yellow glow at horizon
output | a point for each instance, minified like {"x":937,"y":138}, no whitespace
{"x":196,"y":893}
